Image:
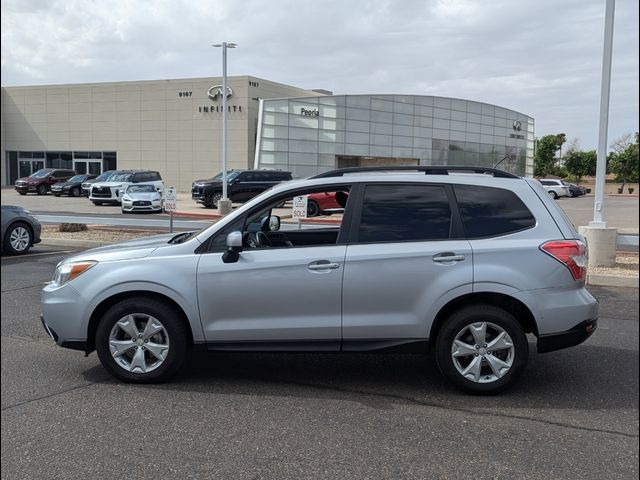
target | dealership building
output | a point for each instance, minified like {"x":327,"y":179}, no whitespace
{"x":175,"y":127}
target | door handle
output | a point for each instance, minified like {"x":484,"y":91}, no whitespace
{"x":323,"y":265}
{"x":448,"y":257}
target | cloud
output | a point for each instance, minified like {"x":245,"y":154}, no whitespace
{"x":540,"y":57}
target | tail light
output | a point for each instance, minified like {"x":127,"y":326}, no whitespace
{"x":571,"y":253}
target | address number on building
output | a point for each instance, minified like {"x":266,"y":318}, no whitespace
{"x":185,"y":94}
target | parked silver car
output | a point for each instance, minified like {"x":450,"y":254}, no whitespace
{"x":142,"y":197}
{"x":556,"y":188}
{"x":20,"y":230}
{"x":465,"y":264}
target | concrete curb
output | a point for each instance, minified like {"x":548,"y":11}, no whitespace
{"x":72,"y":242}
{"x":204,"y":216}
{"x":611,"y":281}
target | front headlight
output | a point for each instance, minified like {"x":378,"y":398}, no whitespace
{"x":65,"y":272}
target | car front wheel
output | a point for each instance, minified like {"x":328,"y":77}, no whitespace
{"x":482,"y":349}
{"x":18,"y":239}
{"x":142,"y":340}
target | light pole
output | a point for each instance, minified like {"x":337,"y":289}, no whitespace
{"x":602,"y":240}
{"x":224,"y":204}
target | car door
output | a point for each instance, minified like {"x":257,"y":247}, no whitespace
{"x":284,"y":298}
{"x":405,"y":257}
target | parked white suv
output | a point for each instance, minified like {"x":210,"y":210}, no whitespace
{"x":556,"y":188}
{"x":112,"y":190}
{"x":466,"y":265}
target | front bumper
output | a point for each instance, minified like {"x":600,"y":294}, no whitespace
{"x":569,"y":338}
{"x":25,"y":188}
{"x":154,"y":207}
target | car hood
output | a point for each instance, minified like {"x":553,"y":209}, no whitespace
{"x":143,"y":195}
{"x":29,"y":179}
{"x":207,"y":181}
{"x":110,"y":184}
{"x":66,"y":184}
{"x":125,"y":250}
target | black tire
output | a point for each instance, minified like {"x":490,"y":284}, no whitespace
{"x":212,"y":199}
{"x":26,"y":234}
{"x":174,"y":325}
{"x":474,"y":314}
{"x":313,"y":209}
{"x":95,"y":202}
{"x":22,"y":193}
{"x":57,"y":194}
{"x":75,"y":192}
{"x":553,"y":194}
{"x":41,"y":190}
{"x":571,"y":194}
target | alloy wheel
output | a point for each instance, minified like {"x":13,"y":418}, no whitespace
{"x":483,"y":352}
{"x":20,"y":238}
{"x":139,"y":343}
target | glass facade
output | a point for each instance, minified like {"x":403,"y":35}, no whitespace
{"x":311,"y":135}
{"x":23,"y":164}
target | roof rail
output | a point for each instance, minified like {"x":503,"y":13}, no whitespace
{"x":428,"y":170}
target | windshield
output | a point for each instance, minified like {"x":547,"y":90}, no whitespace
{"x":230,"y":175}
{"x":40,"y":173}
{"x":141,"y":188}
{"x":120,"y":177}
{"x":103,"y":177}
{"x":78,"y":178}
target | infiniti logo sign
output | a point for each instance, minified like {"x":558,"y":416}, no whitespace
{"x":215,"y":92}
{"x":517,"y":125}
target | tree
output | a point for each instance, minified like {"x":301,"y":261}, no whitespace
{"x":544,"y":161}
{"x":624,"y":159}
{"x":580,"y":164}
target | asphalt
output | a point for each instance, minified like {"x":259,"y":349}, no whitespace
{"x":573,"y":415}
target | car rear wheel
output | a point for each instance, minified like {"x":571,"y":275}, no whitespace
{"x":553,"y":194}
{"x":41,"y":190}
{"x":142,"y":340}
{"x":482,"y":349}
{"x":18,"y":239}
{"x":313,"y":210}
{"x":213,"y":199}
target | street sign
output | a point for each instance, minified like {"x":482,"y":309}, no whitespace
{"x":299,"y":207}
{"x":170,"y":200}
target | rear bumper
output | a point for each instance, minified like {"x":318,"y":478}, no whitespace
{"x":569,"y":338}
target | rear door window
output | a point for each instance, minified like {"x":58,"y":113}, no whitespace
{"x":404,"y":213}
{"x":491,"y":212}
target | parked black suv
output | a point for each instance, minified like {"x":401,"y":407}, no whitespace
{"x":242,"y":185}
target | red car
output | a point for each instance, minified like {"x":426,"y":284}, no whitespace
{"x":326,"y":203}
{"x":40,"y":182}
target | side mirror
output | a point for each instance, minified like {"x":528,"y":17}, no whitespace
{"x":234,"y":247}
{"x":274,"y":223}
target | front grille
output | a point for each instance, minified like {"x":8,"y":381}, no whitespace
{"x":141,"y":203}
{"x":101,"y":192}
{"x":196,"y":192}
{"x":21,"y":184}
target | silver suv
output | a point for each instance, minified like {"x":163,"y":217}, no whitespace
{"x":463,"y":261}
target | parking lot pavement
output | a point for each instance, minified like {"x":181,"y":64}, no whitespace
{"x":573,"y":415}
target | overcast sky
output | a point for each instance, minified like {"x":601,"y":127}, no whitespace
{"x":539,"y":57}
